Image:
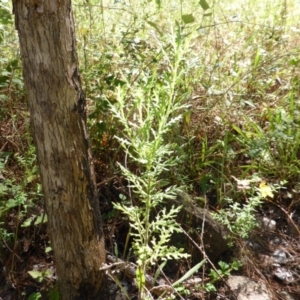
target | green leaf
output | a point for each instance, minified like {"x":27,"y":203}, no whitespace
{"x":28,"y":222}
{"x":159,"y":269}
{"x":204,"y":4}
{"x":158,"y":3}
{"x":12,"y":203}
{"x":54,"y":294}
{"x":5,"y":16}
{"x":3,"y":189}
{"x":37,"y":275}
{"x":257,"y":58}
{"x":155,"y":26}
{"x":3,"y":97}
{"x":187,"y":19}
{"x":294,"y":62}
{"x":224,"y":266}
{"x":190,"y":272}
{"x":35,"y":296}
{"x":18,"y":82}
{"x":31,"y":178}
{"x":48,"y":249}
{"x":236,"y":265}
{"x":209,"y":287}
{"x":41,"y":219}
{"x":213,"y":274}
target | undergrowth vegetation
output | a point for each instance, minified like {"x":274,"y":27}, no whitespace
{"x":200,"y":96}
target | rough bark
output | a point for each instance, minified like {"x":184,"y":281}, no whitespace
{"x":58,"y":120}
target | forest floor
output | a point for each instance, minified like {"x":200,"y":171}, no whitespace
{"x":240,"y":138}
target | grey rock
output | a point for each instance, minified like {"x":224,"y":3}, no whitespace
{"x":268,"y":224}
{"x":285,"y":275}
{"x":279,"y":257}
{"x":247,"y":289}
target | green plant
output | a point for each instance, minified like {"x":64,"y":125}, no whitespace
{"x":39,"y":276}
{"x":11,"y":82}
{"x":53,"y":294}
{"x":218,"y":274}
{"x":19,"y":194}
{"x":240,"y":218}
{"x":147,"y":112}
{"x":181,"y":289}
{"x":35,"y":296}
{"x":284,"y":139}
{"x":272,"y":148}
{"x":242,"y":69}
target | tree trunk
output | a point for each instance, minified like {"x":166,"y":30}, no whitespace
{"x":58,"y":120}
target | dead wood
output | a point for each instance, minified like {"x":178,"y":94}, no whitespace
{"x":204,"y":226}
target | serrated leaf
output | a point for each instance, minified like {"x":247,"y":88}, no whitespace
{"x":187,"y":19}
{"x":204,"y":4}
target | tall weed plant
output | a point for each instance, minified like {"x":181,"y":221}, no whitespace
{"x":148,"y":110}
